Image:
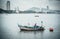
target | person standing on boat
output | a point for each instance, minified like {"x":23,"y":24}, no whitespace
{"x":35,"y":26}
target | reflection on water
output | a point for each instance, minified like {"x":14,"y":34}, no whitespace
{"x":10,"y":30}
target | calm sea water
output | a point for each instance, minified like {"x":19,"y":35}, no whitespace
{"x":9,"y":26}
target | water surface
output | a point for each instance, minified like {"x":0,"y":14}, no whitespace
{"x":9,"y":26}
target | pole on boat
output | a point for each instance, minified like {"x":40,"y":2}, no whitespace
{"x":28,"y":24}
{"x":41,"y":23}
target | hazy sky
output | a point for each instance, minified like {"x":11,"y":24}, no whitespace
{"x":26,"y":4}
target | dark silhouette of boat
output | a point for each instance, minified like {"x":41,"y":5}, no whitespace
{"x":34,"y":28}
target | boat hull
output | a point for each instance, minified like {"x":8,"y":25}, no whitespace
{"x":31,"y":29}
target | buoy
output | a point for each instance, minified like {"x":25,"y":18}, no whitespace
{"x":51,"y":29}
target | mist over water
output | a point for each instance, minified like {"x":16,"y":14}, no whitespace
{"x":9,"y":26}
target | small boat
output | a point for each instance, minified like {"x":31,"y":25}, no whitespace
{"x":26,"y":28}
{"x":34,"y":28}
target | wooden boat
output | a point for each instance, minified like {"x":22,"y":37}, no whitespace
{"x":34,"y":28}
{"x":25,"y":28}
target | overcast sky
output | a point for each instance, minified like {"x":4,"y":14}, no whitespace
{"x":26,"y":4}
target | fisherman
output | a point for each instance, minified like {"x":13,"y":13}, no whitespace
{"x":35,"y":26}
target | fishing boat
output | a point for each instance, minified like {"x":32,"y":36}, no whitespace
{"x":34,"y":28}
